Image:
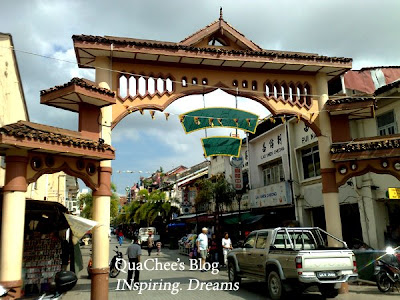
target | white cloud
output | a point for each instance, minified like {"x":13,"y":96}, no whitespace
{"x":362,"y":29}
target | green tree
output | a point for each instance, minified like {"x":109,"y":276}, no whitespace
{"x":114,"y":202}
{"x":86,"y":201}
{"x":218,"y":191}
{"x":155,"y":205}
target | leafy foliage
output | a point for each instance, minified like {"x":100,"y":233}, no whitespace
{"x":86,"y":200}
{"x":219,"y":191}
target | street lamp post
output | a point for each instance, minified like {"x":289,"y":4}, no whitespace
{"x":239,"y":199}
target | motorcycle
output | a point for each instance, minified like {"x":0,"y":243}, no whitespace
{"x":116,"y":263}
{"x":387,"y":270}
{"x":64,"y":280}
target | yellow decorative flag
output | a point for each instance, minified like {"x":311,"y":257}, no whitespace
{"x":220,"y":121}
{"x":152,"y":112}
{"x":283,"y":119}
{"x":166,"y":116}
{"x":181,"y":118}
{"x":196,"y":120}
{"x":211,"y":122}
{"x":298,"y":118}
{"x":236,"y":121}
{"x":248,"y":122}
{"x":141,"y":111}
{"x":272,"y":119}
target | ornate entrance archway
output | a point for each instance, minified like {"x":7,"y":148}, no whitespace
{"x":151,"y":75}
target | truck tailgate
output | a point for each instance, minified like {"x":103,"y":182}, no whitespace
{"x":327,"y":260}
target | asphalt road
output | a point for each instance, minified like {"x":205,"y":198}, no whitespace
{"x":192,"y":284}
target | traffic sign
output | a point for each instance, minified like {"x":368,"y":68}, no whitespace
{"x":236,"y":162}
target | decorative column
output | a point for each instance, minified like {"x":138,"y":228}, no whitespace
{"x":13,"y":223}
{"x":101,"y":214}
{"x":330,"y":192}
{"x":101,"y":197}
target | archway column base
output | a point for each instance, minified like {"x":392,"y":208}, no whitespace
{"x":99,"y":286}
{"x":16,"y":286}
{"x":344,"y":289}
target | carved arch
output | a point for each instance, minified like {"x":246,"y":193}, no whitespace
{"x":260,"y":98}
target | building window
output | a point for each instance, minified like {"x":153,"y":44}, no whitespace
{"x":386,"y":123}
{"x":310,"y":161}
{"x":273,"y":173}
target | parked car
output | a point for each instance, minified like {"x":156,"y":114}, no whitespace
{"x":144,"y":235}
{"x":293,"y":259}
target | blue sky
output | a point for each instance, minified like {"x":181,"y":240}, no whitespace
{"x":144,"y":144}
{"x":365,"y":30}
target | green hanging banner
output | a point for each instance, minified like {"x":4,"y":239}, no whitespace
{"x":219,"y":117}
{"x":221,"y":145}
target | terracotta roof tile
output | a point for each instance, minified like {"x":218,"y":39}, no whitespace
{"x":23,"y":129}
{"x":177,"y":46}
{"x":368,"y":144}
{"x":348,"y":100}
{"x":200,"y":30}
{"x":85,"y":83}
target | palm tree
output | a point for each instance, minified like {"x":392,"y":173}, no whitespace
{"x":155,"y":205}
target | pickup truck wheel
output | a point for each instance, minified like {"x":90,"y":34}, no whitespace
{"x":232,"y":273}
{"x":275,"y":287}
{"x":328,"y":291}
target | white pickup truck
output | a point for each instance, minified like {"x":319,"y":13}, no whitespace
{"x":144,"y":235}
{"x":293,"y":258}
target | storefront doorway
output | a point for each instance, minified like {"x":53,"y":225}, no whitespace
{"x":351,"y":225}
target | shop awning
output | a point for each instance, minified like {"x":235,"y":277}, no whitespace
{"x":190,"y":179}
{"x":185,"y":217}
{"x":171,"y":225}
{"x":246,"y":218}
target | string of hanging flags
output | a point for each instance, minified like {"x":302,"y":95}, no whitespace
{"x":213,"y":118}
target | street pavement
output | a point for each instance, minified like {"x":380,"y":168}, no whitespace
{"x":249,"y":290}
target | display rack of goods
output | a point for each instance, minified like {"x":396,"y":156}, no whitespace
{"x":42,"y":259}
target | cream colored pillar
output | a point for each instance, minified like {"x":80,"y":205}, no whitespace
{"x":101,"y":197}
{"x":13,"y":217}
{"x":330,"y":191}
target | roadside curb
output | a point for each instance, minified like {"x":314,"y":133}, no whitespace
{"x":363,"y":282}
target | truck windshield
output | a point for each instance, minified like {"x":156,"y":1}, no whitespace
{"x":310,"y":239}
{"x":144,"y":231}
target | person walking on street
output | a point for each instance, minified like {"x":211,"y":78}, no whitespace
{"x":214,"y":248}
{"x":120,"y":237}
{"x":202,"y":246}
{"x":134,"y":252}
{"x":150,"y":243}
{"x":158,"y":244}
{"x":226,"y":246}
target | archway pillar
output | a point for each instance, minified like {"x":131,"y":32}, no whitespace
{"x":102,"y":196}
{"x":13,"y":222}
{"x":100,"y":256}
{"x":330,"y":191}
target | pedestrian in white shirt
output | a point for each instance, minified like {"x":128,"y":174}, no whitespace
{"x":202,"y":246}
{"x":226,"y":246}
